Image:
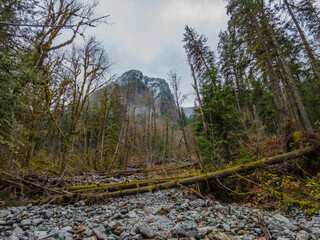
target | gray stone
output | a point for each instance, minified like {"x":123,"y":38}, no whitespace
{"x":42,"y":228}
{"x":180,"y":231}
{"x":146,"y":231}
{"x":49,"y":214}
{"x":291,"y":227}
{"x":282,"y":238}
{"x":13,"y":238}
{"x":54,"y":232}
{"x":302,"y":235}
{"x":281,"y":218}
{"x":25,"y":224}
{"x":132,"y":214}
{"x":37,"y":221}
{"x":192,"y":234}
{"x":2,"y":223}
{"x":14,"y":210}
{"x":226,"y":227}
{"x":17,"y":231}
{"x":4,"y":213}
{"x":275,"y":227}
{"x":7,"y":233}
{"x":40,"y":234}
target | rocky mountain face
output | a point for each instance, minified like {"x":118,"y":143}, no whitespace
{"x":188,"y":111}
{"x":143,"y":86}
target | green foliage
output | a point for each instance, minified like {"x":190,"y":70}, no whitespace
{"x":244,"y":157}
{"x":223,"y":122}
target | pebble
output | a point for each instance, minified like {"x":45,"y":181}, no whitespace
{"x":156,"y":215}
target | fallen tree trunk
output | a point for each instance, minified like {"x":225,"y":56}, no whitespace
{"x":144,"y":170}
{"x":203,"y":178}
{"x":185,"y":181}
{"x":23,"y":183}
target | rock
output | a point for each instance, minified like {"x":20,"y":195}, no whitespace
{"x":146,"y":231}
{"x":4,"y":213}
{"x":180,"y":231}
{"x":275,"y":227}
{"x":25,"y":224}
{"x":282,"y":238}
{"x":13,"y":238}
{"x":17,"y":231}
{"x":37,"y":221}
{"x":226,"y":227}
{"x":132,"y":214}
{"x":281,"y":218}
{"x":192,"y":234}
{"x":186,"y":229}
{"x":220,"y":236}
{"x":42,"y":228}
{"x":7,"y":233}
{"x":3,"y":223}
{"x":291,"y":227}
{"x":54,"y":232}
{"x":40,"y":234}
{"x":302,"y":235}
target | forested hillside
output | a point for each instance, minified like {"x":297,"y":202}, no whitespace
{"x":65,"y":115}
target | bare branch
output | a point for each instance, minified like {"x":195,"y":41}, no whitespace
{"x":90,"y":24}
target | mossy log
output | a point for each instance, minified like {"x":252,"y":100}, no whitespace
{"x":120,"y":186}
{"x":205,"y":177}
{"x":144,"y":170}
{"x":93,"y":197}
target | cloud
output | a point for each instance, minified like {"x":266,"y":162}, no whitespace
{"x":147,"y":35}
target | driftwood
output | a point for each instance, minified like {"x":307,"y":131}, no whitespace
{"x":186,"y":181}
{"x":264,"y":227}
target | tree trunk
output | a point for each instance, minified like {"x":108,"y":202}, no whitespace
{"x":120,"y":135}
{"x":273,"y":78}
{"x":309,"y":51}
{"x":288,"y":72}
{"x":195,"y":86}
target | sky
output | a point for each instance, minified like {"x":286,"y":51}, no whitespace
{"x":147,"y":35}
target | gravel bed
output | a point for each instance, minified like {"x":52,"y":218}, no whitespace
{"x":160,"y":215}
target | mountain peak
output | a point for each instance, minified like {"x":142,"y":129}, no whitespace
{"x":159,"y":87}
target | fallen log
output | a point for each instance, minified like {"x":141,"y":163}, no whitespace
{"x":22,"y":182}
{"x":144,"y":170}
{"x":203,"y":178}
{"x":111,"y":187}
{"x":186,"y":181}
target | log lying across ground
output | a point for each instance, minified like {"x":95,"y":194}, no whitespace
{"x":111,"y":187}
{"x":94,"y":197}
{"x":205,"y":177}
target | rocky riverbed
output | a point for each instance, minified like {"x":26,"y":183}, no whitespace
{"x":160,"y":215}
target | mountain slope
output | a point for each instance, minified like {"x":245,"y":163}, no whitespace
{"x":143,"y":85}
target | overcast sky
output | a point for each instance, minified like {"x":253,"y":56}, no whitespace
{"x":147,"y":34}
